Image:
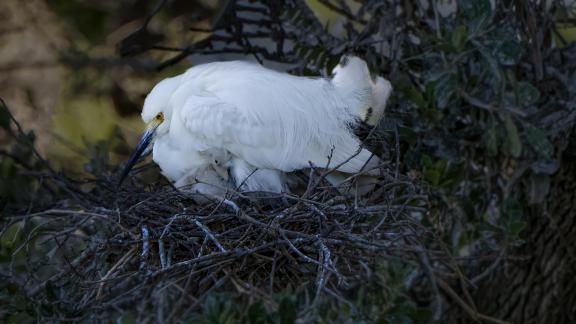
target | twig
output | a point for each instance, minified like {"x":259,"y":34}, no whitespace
{"x":124,"y":259}
{"x":209,"y":235}
{"x":145,"y":247}
{"x":162,"y":253}
{"x":425,"y":261}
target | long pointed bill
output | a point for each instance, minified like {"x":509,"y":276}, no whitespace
{"x":142,"y":146}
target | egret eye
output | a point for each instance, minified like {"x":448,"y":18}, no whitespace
{"x":159,"y":117}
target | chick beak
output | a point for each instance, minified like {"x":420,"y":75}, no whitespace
{"x":141,"y":149}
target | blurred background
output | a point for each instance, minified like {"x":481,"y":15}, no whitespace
{"x":63,"y":76}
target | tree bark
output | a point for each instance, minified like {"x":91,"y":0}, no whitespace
{"x":541,"y":288}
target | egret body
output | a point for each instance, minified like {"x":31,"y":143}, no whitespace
{"x":254,"y":124}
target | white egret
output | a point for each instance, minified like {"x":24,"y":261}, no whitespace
{"x":258,"y":123}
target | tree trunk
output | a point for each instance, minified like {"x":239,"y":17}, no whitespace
{"x":541,"y":288}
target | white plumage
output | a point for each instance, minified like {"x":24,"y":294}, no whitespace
{"x":259,"y":123}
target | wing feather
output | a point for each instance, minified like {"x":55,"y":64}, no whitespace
{"x":270,"y":120}
{"x":221,"y":124}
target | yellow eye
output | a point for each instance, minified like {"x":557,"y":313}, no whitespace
{"x":159,"y":117}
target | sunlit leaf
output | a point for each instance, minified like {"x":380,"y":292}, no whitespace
{"x":567,"y":32}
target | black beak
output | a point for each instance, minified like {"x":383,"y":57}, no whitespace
{"x":143,"y":144}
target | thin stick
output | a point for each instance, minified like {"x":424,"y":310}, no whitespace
{"x":209,"y":235}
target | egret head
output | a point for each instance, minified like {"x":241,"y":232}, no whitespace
{"x":351,"y":66}
{"x":157,"y":111}
{"x":156,"y":114}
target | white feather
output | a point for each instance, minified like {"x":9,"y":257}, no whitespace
{"x":352,"y":77}
{"x":247,"y":178}
{"x":260,"y":118}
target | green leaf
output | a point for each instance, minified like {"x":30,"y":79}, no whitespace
{"x":516,"y":227}
{"x":432,"y":176}
{"x":507,"y":52}
{"x":513,"y":144}
{"x":434,"y":72}
{"x":491,"y":141}
{"x":405,"y":87}
{"x":10,"y":236}
{"x":425,"y":161}
{"x":256,"y":313}
{"x":287,"y":311}
{"x":491,"y":62}
{"x":475,"y":13}
{"x":459,"y":37}
{"x":128,"y":318}
{"x":539,"y":142}
{"x":527,"y":94}
{"x":514,"y":217}
{"x":412,"y":159}
{"x":445,"y":90}
{"x":433,"y":173}
{"x":487,"y":226}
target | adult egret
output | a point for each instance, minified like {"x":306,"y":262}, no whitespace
{"x":254,"y":124}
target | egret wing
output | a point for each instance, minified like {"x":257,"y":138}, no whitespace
{"x":216,"y":124}
{"x":266,"y":141}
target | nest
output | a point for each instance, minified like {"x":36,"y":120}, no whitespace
{"x":159,"y":250}
{"x":88,"y":250}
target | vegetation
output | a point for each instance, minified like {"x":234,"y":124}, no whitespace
{"x":479,"y":135}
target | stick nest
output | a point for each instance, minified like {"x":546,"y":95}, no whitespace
{"x":155,"y":248}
